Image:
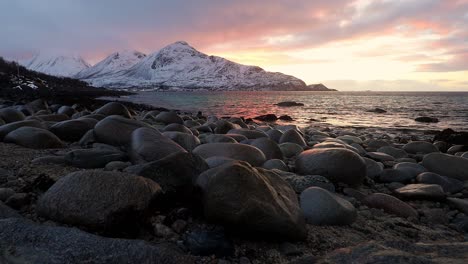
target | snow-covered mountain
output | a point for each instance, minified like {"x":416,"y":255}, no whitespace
{"x":181,"y":66}
{"x":112,"y":64}
{"x":64,"y":66}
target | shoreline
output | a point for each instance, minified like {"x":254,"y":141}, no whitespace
{"x":67,"y":170}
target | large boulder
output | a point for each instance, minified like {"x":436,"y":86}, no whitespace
{"x":252,"y":200}
{"x":187,"y":141}
{"x":174,"y":173}
{"x":104,"y":201}
{"x":447,"y":165}
{"x":116,"y":130}
{"x":269,"y":147}
{"x":148,"y":144}
{"x":10,"y":115}
{"x":34,"y":243}
{"x":169,"y":118}
{"x":322,"y":207}
{"x":236,"y":151}
{"x":114,"y":108}
{"x":337,"y":164}
{"x":5,"y":129}
{"x":73,"y":130}
{"x":32,"y":137}
{"x":94,"y":158}
{"x":422,"y":147}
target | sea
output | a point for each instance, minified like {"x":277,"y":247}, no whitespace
{"x":339,"y":109}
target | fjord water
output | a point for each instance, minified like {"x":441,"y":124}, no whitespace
{"x":344,"y":109}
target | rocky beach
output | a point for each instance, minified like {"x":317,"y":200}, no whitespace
{"x":114,"y":182}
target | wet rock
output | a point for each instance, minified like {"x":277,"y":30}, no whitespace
{"x":218,"y":138}
{"x":207,"y":242}
{"x":447,"y":165}
{"x":10,"y":115}
{"x":33,"y":243}
{"x":116,"y":130}
{"x":377,"y":110}
{"x":448,"y":184}
{"x":421,"y":191}
{"x":217,"y":161}
{"x":322,"y":207}
{"x":350,"y":139}
{"x":390,"y":204}
{"x":105,"y":201}
{"x":268,"y":147}
{"x":73,"y":130}
{"x":423,"y":147}
{"x":336,"y":164}
{"x":169,"y":118}
{"x":32,"y":137}
{"x":452,"y":137}
{"x":148,"y":144}
{"x":289,"y":104}
{"x":114,"y":108}
{"x":267,"y":118}
{"x":426,"y":119}
{"x":235,"y":151}
{"x":252,"y":201}
{"x":286,"y":118}
{"x":410,"y":168}
{"x":66,"y":110}
{"x":93,"y":158}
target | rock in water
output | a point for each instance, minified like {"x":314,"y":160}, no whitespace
{"x":114,"y":108}
{"x":322,"y":207}
{"x":116,"y":130}
{"x":447,"y":165}
{"x":33,"y":243}
{"x":390,"y":205}
{"x":243,"y":152}
{"x":426,"y":119}
{"x":289,"y":104}
{"x":252,"y":200}
{"x":104,"y":201}
{"x":148,"y":144}
{"x":337,"y":164}
{"x":32,"y":137}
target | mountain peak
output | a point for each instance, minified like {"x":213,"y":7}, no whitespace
{"x":56,"y":64}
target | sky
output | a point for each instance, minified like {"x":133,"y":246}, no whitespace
{"x":345,"y":44}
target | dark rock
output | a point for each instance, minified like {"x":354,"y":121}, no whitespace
{"x":73,"y":130}
{"x":116,"y":130}
{"x":447,"y":165}
{"x":10,"y":115}
{"x":390,"y":204}
{"x":322,"y":207}
{"x":289,"y":104}
{"x":23,"y":241}
{"x":212,"y":241}
{"x":426,"y":119}
{"x":187,"y":141}
{"x":421,"y":191}
{"x":5,"y":193}
{"x":7,"y":212}
{"x":377,"y":110}
{"x":286,"y":118}
{"x":93,"y":158}
{"x":460,"y":204}
{"x":32,"y":137}
{"x":336,"y":164}
{"x":275,"y":164}
{"x":169,"y":118}
{"x":420,"y":147}
{"x":250,"y":134}
{"x":105,"y":201}
{"x":394,"y":152}
{"x":373,"y":168}
{"x":292,"y":136}
{"x":267,"y":118}
{"x":177,"y":128}
{"x":274,"y":134}
{"x":66,"y":110}
{"x":114,"y":108}
{"x":452,"y":137}
{"x":235,"y":151}
{"x":5,"y":129}
{"x":448,"y":184}
{"x":268,"y":147}
{"x":251,"y":200}
{"x":392,"y":175}
{"x":18,"y":200}
{"x":53,"y":118}
{"x":301,"y":182}
{"x":290,"y":149}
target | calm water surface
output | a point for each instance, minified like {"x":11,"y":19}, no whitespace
{"x":334,"y":108}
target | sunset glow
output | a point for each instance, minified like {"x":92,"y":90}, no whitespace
{"x":348,"y":45}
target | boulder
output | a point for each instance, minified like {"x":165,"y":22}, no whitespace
{"x":113,"y":108}
{"x":373,"y":168}
{"x":66,"y":110}
{"x":274,"y":134}
{"x":290,"y":150}
{"x":187,"y":141}
{"x":223,"y":126}
{"x":104,"y":201}
{"x":289,"y":104}
{"x":447,"y":165}
{"x":268,"y":147}
{"x":173,"y":173}
{"x":168,"y":118}
{"x":421,"y":191}
{"x":275,"y":164}
{"x":423,"y":147}
{"x":380,"y":156}
{"x":448,"y":184}
{"x":292,"y":136}
{"x":148,"y":144}
{"x":34,"y":243}
{"x":322,"y":207}
{"x":178,"y":128}
{"x":5,"y":129}
{"x":217,"y":138}
{"x":460,"y":204}
{"x":73,"y":130}
{"x":250,"y":134}
{"x":410,"y":168}
{"x":390,"y":204}
{"x":394,"y":152}
{"x":116,"y":130}
{"x":93,"y":158}
{"x":10,"y":115}
{"x":32,"y":137}
{"x":251,"y":200}
{"x":217,"y":161}
{"x":236,"y":151}
{"x":336,"y":164}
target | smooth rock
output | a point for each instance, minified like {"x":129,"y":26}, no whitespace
{"x":380,"y":156}
{"x":420,"y":147}
{"x":7,"y":212}
{"x":169,"y":118}
{"x":460,"y":204}
{"x":447,"y":165}
{"x":73,"y":130}
{"x":421,"y":191}
{"x":275,"y":164}
{"x":10,"y":115}
{"x":274,"y":134}
{"x":113,"y":108}
{"x":336,"y":164}
{"x":448,"y":184}
{"x":394,"y":152}
{"x":250,"y":134}
{"x":187,"y":141}
{"x":292,"y":136}
{"x":217,"y":161}
{"x":373,"y":168}
{"x":32,"y":137}
{"x":93,"y":158}
{"x":393,"y":175}
{"x":104,"y":201}
{"x":269,"y":147}
{"x":322,"y":207}
{"x":390,"y":204}
{"x":177,"y":128}
{"x":243,"y":152}
{"x":116,"y":130}
{"x":5,"y":129}
{"x":290,"y":150}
